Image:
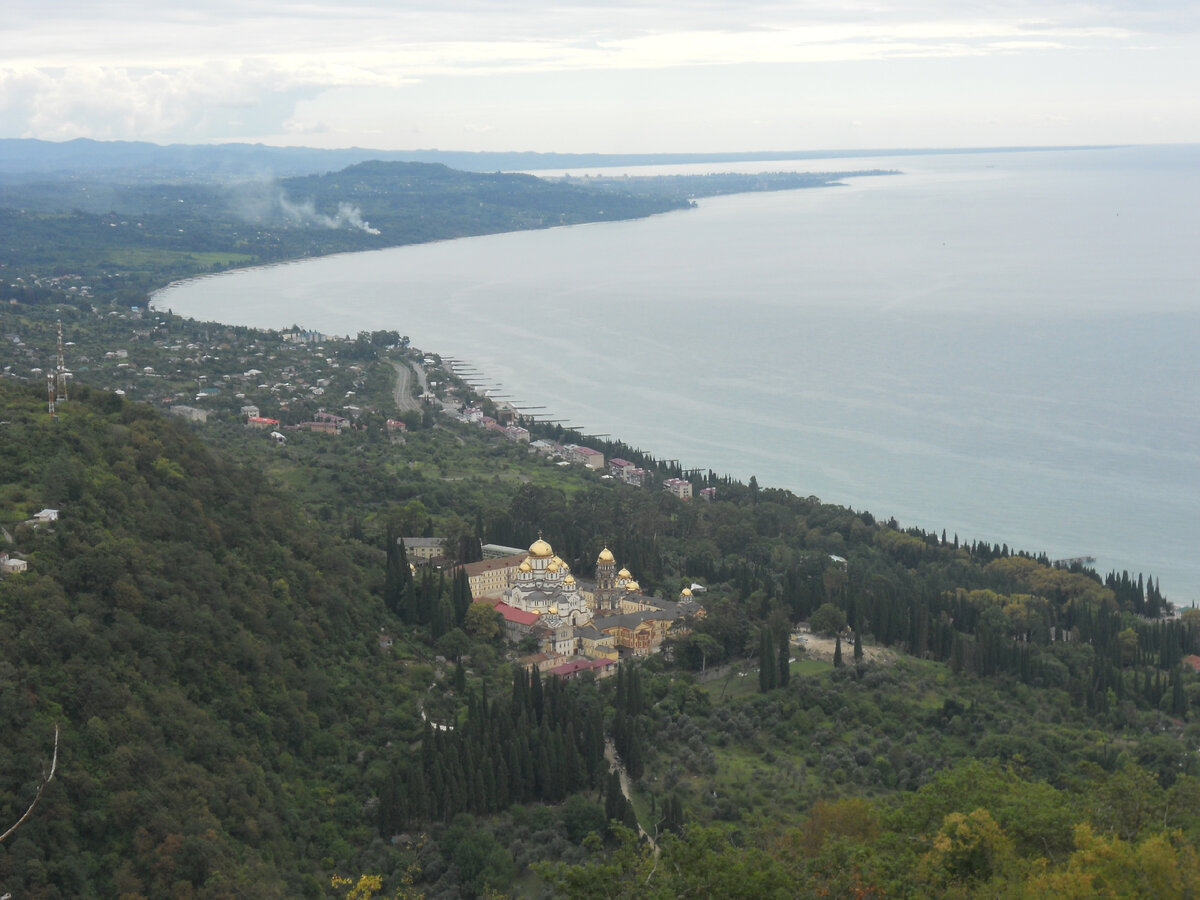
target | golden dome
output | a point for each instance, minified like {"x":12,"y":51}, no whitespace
{"x":570,"y":579}
{"x":552,"y":568}
{"x":686,"y":592}
{"x":554,"y":610}
{"x":558,"y":560}
{"x":605,"y":556}
{"x":524,"y":566}
{"x":624,"y":573}
{"x":541,"y":549}
{"x":633,"y":586}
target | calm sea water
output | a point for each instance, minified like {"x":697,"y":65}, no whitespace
{"x":1001,"y":345}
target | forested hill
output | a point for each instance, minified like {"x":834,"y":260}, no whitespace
{"x":147,"y":234}
{"x":212,"y":660}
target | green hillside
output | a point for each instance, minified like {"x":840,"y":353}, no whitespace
{"x":243,"y":670}
{"x":212,"y":659}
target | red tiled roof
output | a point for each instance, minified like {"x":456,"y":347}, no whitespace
{"x":512,"y":614}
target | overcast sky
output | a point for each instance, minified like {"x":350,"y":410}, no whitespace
{"x":694,"y":75}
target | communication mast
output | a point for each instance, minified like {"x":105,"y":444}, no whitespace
{"x":61,"y":373}
{"x":56,"y":381}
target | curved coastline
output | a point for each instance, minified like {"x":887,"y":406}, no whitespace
{"x":843,"y":404}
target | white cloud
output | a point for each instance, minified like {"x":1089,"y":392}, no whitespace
{"x":137,"y":69}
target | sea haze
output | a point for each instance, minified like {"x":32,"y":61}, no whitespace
{"x":1002,"y":345}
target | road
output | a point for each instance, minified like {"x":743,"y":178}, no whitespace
{"x":405,"y":401}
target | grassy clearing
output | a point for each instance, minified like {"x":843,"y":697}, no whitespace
{"x":140,"y":257}
{"x":742,"y":683}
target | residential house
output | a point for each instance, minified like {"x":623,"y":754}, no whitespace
{"x":10,"y":565}
{"x":422,"y":548}
{"x":680,"y":487}
{"x":585,"y":456}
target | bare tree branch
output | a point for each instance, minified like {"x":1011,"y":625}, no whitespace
{"x":47,"y":777}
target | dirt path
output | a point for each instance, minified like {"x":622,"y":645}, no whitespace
{"x":817,"y":647}
{"x":610,"y":753}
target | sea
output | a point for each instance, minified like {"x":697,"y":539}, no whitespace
{"x":1001,"y":345}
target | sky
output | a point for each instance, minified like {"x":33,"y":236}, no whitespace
{"x":597,"y":76}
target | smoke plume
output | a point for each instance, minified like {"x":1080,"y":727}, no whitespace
{"x":306,"y":214}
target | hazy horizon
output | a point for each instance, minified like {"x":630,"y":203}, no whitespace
{"x":601,"y":77}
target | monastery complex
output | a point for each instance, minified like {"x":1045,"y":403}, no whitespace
{"x":578,"y":626}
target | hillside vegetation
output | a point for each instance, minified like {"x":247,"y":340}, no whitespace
{"x":213,"y":661}
{"x":256,"y":695}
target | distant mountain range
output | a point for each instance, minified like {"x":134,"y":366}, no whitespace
{"x":26,"y":159}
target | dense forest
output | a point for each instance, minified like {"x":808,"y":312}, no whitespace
{"x":255,"y":694}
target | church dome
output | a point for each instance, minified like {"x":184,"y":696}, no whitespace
{"x":686,"y":592}
{"x":541,"y":549}
{"x":524,"y":566}
{"x":624,"y":573}
{"x":554,"y":610}
{"x":605,"y":557}
{"x":552,"y":568}
{"x":633,"y":586}
{"x":570,"y":579}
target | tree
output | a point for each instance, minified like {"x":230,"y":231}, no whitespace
{"x":582,"y":817}
{"x":968,"y":849}
{"x":858,"y":650}
{"x":785,"y":654}
{"x":828,"y":619}
{"x":837,"y":652}
{"x":483,"y":622}
{"x":616,"y":807}
{"x":768,"y":669}
{"x":707,"y":645}
{"x":453,"y":644}
{"x":672,"y":820}
{"x":398,"y":577}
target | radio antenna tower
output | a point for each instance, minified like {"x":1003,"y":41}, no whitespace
{"x":56,"y":381}
{"x":61,"y":373}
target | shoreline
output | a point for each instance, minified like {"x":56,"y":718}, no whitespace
{"x":1072,"y":471}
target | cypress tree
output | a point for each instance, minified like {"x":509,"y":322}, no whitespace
{"x":1178,"y":699}
{"x":837,"y":652}
{"x":614,"y":800}
{"x":536,"y":700}
{"x":634,"y":764}
{"x":768,"y":670}
{"x":785,"y":666}
{"x":397,"y":576}
{"x":672,"y":819}
{"x":460,"y":594}
{"x":858,"y":650}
